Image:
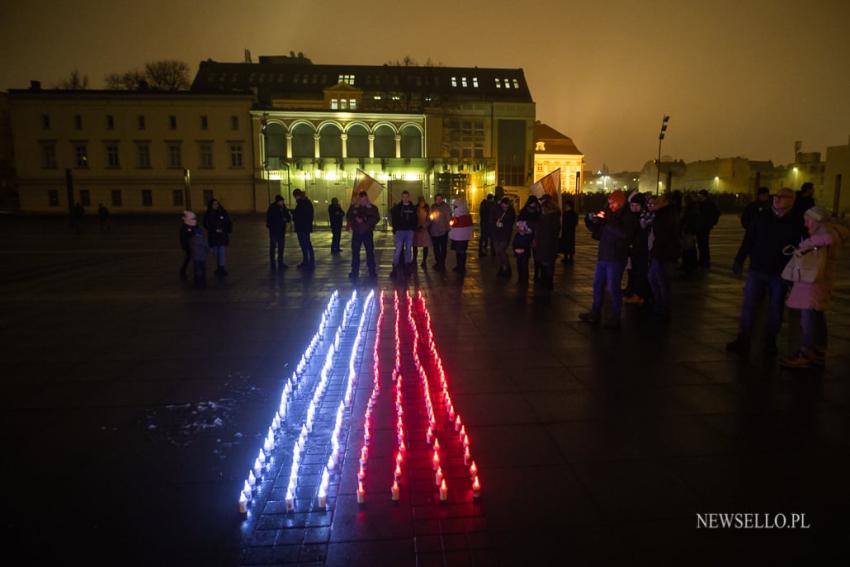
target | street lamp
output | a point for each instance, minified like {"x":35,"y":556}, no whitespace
{"x":661,"y":134}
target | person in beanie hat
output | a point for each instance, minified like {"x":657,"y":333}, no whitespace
{"x":187,"y":228}
{"x":615,"y":229}
{"x":813,"y":298}
{"x":460,"y":232}
{"x":637,"y":286}
{"x":277,"y":217}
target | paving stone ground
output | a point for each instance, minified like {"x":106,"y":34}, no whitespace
{"x":133,"y":406}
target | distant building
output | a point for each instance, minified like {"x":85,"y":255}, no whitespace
{"x":835,"y":194}
{"x":604,"y":181}
{"x":130,"y":150}
{"x":553,"y":150}
{"x":735,"y":175}
{"x":8,"y":190}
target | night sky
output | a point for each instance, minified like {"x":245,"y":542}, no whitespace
{"x":738,"y":78}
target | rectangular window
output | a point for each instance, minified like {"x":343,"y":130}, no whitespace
{"x":110,"y":122}
{"x":516,"y":84}
{"x":85,"y":198}
{"x":454,"y":81}
{"x":343,"y":104}
{"x":112,"y":159}
{"x":45,"y":122}
{"x":143,"y":155}
{"x":352,"y":104}
{"x":48,"y":156}
{"x":206,"y":155}
{"x":172,"y":122}
{"x":498,"y":83}
{"x":53,"y":197}
{"x":175,"y":157}
{"x":208,"y":196}
{"x":116,"y":198}
{"x":81,"y":156}
{"x":147,"y":198}
{"x":78,"y":122}
{"x":334,"y":104}
{"x":463,"y":81}
{"x":348,"y":79}
{"x":177,"y":197}
{"x":204,"y":122}
{"x":475,"y":82}
{"x":507,"y":84}
{"x":141,"y":121}
{"x":234,"y":122}
{"x":235,"y":155}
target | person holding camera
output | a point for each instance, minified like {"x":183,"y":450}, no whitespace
{"x":615,"y":229}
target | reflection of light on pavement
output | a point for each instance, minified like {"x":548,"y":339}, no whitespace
{"x":373,"y":398}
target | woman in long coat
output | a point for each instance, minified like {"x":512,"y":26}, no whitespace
{"x":422,"y":238}
{"x":812,"y":299}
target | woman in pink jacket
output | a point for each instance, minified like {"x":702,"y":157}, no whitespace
{"x":812,"y":299}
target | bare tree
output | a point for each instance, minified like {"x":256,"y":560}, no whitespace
{"x":74,"y":82}
{"x":133,"y":80}
{"x":167,"y":75}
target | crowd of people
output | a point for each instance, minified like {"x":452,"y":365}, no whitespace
{"x":642,"y":236}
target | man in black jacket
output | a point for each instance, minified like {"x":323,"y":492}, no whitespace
{"x":766,"y":237}
{"x":484,"y":226}
{"x":303,"y":220}
{"x":751,"y":211}
{"x":615,"y":228}
{"x":335,"y":217}
{"x":362,"y":216}
{"x":665,"y":246}
{"x":404,"y":221}
{"x":709,"y":214}
{"x":277,"y":217}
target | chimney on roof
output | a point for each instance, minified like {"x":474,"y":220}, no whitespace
{"x":35,"y":85}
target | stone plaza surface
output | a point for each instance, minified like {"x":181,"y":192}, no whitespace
{"x":134,"y":406}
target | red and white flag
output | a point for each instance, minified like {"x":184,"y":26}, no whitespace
{"x":550,"y":184}
{"x":365,"y":182}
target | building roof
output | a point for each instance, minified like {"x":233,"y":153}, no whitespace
{"x":307,"y":81}
{"x":553,"y":142}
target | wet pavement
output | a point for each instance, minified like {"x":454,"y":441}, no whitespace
{"x":134,"y":407}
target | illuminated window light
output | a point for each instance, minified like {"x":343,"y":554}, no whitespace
{"x":475,"y":82}
{"x":454,"y":81}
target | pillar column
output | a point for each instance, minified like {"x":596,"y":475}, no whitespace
{"x":371,"y":145}
{"x":316,"y":139}
{"x":344,"y":138}
{"x":398,"y":145}
{"x":289,"y":146}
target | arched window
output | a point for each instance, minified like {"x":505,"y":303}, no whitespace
{"x":275,"y":145}
{"x":384,"y":142}
{"x":411,"y":142}
{"x":330,"y":142}
{"x":303,"y":143}
{"x":358,"y":142}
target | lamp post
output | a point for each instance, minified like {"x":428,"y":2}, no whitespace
{"x":661,"y":134}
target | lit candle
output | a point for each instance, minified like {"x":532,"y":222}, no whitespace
{"x":429,"y":435}
{"x":439,"y":476}
{"x":435,"y":461}
{"x":466,"y":456}
{"x":476,"y":488}
{"x":397,"y":472}
{"x":457,"y":423}
{"x":473,"y":470}
{"x":243,"y":504}
{"x":444,"y":491}
{"x":247,"y":489}
{"x":361,"y":493}
{"x":395,"y":491}
{"x":436,"y":444}
{"x":323,"y":498}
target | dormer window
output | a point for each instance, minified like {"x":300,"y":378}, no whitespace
{"x":516,"y":84}
{"x":463,"y":82}
{"x":498,"y":83}
{"x":454,"y":81}
{"x":475,"y":82}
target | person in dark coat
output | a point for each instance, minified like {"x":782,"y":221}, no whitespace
{"x":219,"y":226}
{"x":752,"y":210}
{"x":188,"y":227}
{"x":637,"y":286}
{"x":805,"y":199}
{"x":615,"y":229}
{"x":523,"y":243}
{"x":336,"y":216}
{"x":484,"y":227}
{"x":546,"y":240}
{"x":103,"y":216}
{"x":569,"y":221}
{"x":199,"y":250}
{"x":764,"y":244}
{"x":664,"y":243}
{"x":404,"y":221}
{"x":690,"y":222}
{"x":709,"y":215}
{"x":277,"y":217}
{"x":502,"y":231}
{"x":302,"y":218}
{"x":362,"y":217}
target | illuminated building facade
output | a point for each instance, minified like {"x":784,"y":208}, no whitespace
{"x":553,"y":150}
{"x":457,"y":131}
